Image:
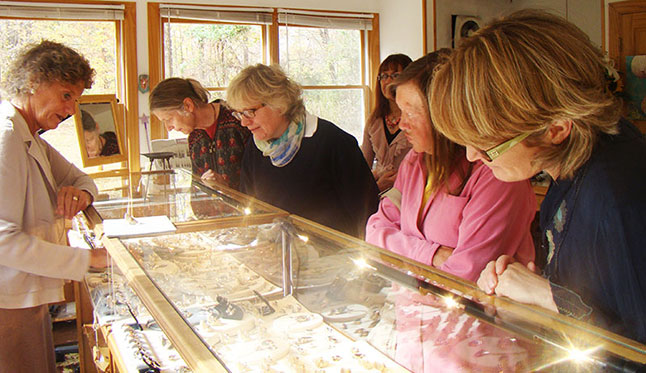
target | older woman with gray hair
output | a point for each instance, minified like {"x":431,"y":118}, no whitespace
{"x":300,"y":163}
{"x":39,"y":188}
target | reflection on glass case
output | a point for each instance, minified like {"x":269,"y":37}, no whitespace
{"x":229,"y":287}
{"x":143,"y":347}
{"x":291,"y":295}
{"x":173,"y":194}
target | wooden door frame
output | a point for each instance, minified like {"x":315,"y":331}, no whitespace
{"x":615,"y":12}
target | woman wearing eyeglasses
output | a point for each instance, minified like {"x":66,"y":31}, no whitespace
{"x":443,"y":210}
{"x":299,"y":162}
{"x":216,"y":140}
{"x":384,"y":144}
{"x":449,"y":213}
{"x":548,"y":105}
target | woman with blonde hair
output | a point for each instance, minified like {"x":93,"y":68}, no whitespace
{"x":384,"y":144}
{"x":299,"y":162}
{"x":216,"y":140}
{"x":443,"y":210}
{"x":528,"y":93}
{"x":449,"y":213}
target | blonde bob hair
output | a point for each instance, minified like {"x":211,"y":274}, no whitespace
{"x":266,"y":85}
{"x":170,"y":93}
{"x":520,"y":74}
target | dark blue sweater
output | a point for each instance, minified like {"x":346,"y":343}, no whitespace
{"x":328,"y":181}
{"x":595,"y":227}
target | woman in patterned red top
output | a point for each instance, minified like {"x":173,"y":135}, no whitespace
{"x":216,"y":139}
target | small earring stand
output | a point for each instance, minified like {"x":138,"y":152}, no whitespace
{"x":164,"y":158}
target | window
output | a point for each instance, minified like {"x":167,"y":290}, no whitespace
{"x":327,"y":62}
{"x":228,"y":39}
{"x":224,"y":50}
{"x":101,"y":26}
{"x":325,"y":52}
{"x":98,"y":45}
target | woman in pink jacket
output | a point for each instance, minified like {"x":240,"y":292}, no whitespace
{"x":454,"y":215}
{"x":457,"y":216}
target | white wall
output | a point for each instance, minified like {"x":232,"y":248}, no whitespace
{"x":401,"y":28}
{"x":586,"y":14}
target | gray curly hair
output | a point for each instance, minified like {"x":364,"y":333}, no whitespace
{"x":46,"y":62}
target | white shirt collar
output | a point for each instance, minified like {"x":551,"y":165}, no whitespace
{"x":311,"y":124}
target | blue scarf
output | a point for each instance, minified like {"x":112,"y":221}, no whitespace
{"x":282,"y":150}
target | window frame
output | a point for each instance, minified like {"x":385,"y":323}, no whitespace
{"x":126,"y":71}
{"x":270,"y":36}
{"x":263,"y":37}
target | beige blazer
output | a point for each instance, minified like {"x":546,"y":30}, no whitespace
{"x":34,"y":260}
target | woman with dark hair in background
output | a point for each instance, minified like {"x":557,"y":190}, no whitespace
{"x":216,"y":140}
{"x":384,"y":144}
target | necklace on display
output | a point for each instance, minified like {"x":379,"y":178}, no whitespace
{"x":392,"y":123}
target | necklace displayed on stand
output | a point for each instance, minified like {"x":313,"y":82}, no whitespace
{"x":392,"y":123}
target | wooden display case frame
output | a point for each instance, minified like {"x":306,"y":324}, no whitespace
{"x":547,"y":326}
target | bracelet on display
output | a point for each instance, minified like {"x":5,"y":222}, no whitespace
{"x":137,"y":341}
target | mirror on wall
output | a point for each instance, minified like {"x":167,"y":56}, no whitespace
{"x":99,"y":130}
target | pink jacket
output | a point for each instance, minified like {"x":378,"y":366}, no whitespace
{"x":489,"y":218}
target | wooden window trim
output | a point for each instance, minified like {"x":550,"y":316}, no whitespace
{"x":126,"y":49}
{"x":270,"y":35}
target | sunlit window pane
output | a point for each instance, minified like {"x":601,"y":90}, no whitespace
{"x":343,"y":107}
{"x":94,"y":40}
{"x":210,"y":53}
{"x":318,"y":56}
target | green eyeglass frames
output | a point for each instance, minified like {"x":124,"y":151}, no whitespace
{"x":498,"y":150}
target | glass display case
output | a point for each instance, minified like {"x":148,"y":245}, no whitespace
{"x":177,"y":195}
{"x":289,"y":295}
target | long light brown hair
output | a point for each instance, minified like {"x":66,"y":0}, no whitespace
{"x":521,"y":74}
{"x":447,"y":155}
